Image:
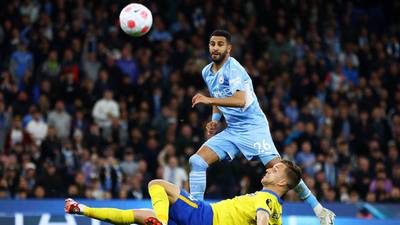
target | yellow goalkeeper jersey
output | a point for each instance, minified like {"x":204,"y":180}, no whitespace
{"x":242,"y":210}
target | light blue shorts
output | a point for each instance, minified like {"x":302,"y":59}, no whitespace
{"x":255,"y":144}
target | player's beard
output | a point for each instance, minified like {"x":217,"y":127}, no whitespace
{"x":218,"y":60}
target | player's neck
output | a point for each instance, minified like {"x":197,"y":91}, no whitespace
{"x":218,"y":66}
{"x":275,"y":189}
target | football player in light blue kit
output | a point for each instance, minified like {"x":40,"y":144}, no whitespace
{"x":247,"y":132}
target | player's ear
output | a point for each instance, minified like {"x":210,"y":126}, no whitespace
{"x":229,"y":47}
{"x":282,"y":182}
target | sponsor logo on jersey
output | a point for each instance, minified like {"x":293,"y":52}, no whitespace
{"x":269,"y":203}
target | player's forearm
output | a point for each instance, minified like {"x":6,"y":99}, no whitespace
{"x":228,"y":102}
{"x":262,"y":218}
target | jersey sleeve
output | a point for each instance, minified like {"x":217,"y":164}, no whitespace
{"x":203,"y":75}
{"x":204,"y":71}
{"x":235,"y":79}
{"x":264,"y":203}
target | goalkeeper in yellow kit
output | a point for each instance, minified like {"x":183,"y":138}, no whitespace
{"x":172,"y":206}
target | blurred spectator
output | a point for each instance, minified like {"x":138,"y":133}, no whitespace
{"x":21,"y":62}
{"x":51,"y":181}
{"x":51,"y":67}
{"x":351,"y":73}
{"x":104,"y":111}
{"x":102,"y":84}
{"x":68,"y":88}
{"x":137,"y":190}
{"x":31,"y":9}
{"x":245,"y":185}
{"x":354,"y":197}
{"x":279,"y":46}
{"x":39,"y":192}
{"x":337,"y":80}
{"x":381,"y":186}
{"x":331,"y":195}
{"x":174,"y":173}
{"x":306,"y":158}
{"x":51,"y":145}
{"x":394,"y":196}
{"x":37,"y":128}
{"x":344,"y":157}
{"x":70,"y":65}
{"x":5,"y":124}
{"x":292,"y":112}
{"x":136,"y":141}
{"x":110,"y":173}
{"x":77,"y":141}
{"x":30,"y":175}
{"x":96,"y":191}
{"x":159,"y":31}
{"x":185,"y":139}
{"x":60,"y":120}
{"x":362,"y":176}
{"x":119,"y":130}
{"x":8,"y":87}
{"x":128,"y":165}
{"x":330,"y":169}
{"x":160,"y":122}
{"x":95,"y":142}
{"x":78,"y":188}
{"x":396,"y":175}
{"x":127,"y":64}
{"x":79,"y":122}
{"x":289,"y":152}
{"x":371,"y":197}
{"x":348,"y":56}
{"x":151,"y":154}
{"x":91,"y":66}
{"x":68,"y":158}
{"x":91,"y":166}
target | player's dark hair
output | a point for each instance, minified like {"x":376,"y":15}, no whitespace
{"x":222,"y":33}
{"x":293,"y":173}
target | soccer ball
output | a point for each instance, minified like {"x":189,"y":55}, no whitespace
{"x":135,"y":19}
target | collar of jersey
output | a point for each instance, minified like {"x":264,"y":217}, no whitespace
{"x":273,"y":193}
{"x":221,"y":67}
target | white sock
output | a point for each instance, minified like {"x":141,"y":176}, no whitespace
{"x":318,"y":209}
{"x":82,"y":208}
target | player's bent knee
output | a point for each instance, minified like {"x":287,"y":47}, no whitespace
{"x":155,"y":182}
{"x":197,"y":162}
{"x":168,"y":187}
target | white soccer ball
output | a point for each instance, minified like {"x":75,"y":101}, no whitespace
{"x":135,"y":19}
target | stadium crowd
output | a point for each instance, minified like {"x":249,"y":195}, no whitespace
{"x":87,"y":111}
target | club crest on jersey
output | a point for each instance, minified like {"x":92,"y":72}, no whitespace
{"x":221,"y":79}
{"x":269,"y":203}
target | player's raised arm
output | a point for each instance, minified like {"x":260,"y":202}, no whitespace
{"x":262,"y":217}
{"x":237,"y":100}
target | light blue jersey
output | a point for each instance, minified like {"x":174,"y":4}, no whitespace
{"x":247,"y":130}
{"x":230,"y":78}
